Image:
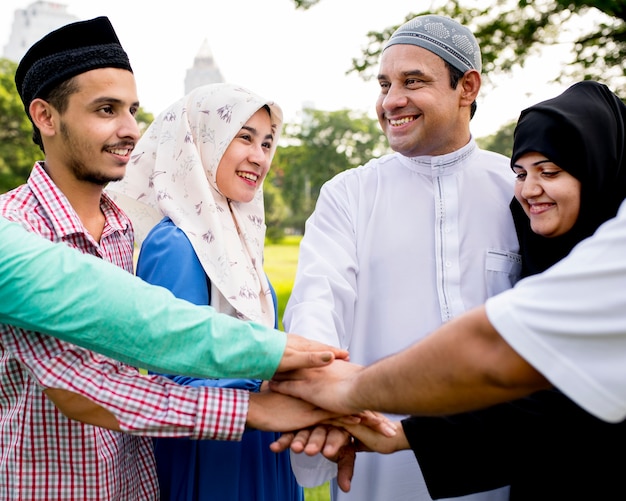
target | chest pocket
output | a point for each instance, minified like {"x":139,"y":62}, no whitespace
{"x":503,"y":269}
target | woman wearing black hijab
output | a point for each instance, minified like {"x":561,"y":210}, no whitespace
{"x":582,"y":132}
{"x":544,"y":446}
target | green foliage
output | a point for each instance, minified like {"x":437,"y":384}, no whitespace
{"x":144,"y":119}
{"x":509,"y":31}
{"x":276,"y":211}
{"x":18,"y":153}
{"x":305,"y":4}
{"x":323,"y":145}
{"x":501,"y":141}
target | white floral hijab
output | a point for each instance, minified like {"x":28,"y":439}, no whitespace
{"x":173,"y":173}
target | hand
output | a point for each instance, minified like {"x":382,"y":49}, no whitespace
{"x":333,"y":442}
{"x":328,"y":387}
{"x":326,"y":438}
{"x":271,"y":411}
{"x":301,"y":352}
{"x":313,"y":440}
{"x":367,"y":440}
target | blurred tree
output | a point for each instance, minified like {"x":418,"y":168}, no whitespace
{"x":144,"y":119}
{"x":322,"y":145}
{"x":509,"y":31}
{"x":276,"y":211}
{"x":501,"y":141}
{"x":305,"y":4}
{"x":18,"y":153}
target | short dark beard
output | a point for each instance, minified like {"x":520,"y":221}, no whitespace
{"x":80,"y":171}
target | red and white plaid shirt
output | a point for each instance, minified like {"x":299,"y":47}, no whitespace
{"x":44,"y":455}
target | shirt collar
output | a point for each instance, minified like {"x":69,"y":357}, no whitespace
{"x":440,"y":164}
{"x":60,"y":212}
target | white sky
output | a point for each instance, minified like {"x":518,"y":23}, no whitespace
{"x":294,"y":57}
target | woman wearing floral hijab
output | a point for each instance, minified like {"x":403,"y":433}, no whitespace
{"x":193,"y":187}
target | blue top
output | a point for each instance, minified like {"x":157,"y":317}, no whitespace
{"x":194,"y":470}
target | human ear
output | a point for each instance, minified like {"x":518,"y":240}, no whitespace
{"x":470,"y":85}
{"x":42,"y":116}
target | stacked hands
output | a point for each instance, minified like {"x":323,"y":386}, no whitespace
{"x":326,"y":414}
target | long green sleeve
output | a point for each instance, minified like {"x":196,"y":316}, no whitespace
{"x":81,"y":299}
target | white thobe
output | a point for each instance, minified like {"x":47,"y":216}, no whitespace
{"x":393,"y":249}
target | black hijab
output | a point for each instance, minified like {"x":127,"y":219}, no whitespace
{"x":582,"y":131}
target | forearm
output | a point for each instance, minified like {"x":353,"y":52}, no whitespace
{"x":98,"y":391}
{"x":212,"y":414}
{"x":462,"y":366}
{"x":83,"y":300}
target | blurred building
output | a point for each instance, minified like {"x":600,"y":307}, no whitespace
{"x":204,"y":70}
{"x":32,"y":23}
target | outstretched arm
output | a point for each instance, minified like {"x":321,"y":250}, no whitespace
{"x":86,"y":301}
{"x":464,"y":365}
{"x":267,"y":411}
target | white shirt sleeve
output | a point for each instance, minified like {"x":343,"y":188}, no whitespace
{"x":570,"y":321}
{"x":322,"y":301}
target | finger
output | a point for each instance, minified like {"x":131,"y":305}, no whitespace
{"x":283,"y":442}
{"x":349,"y":419}
{"x":285,"y":387}
{"x":378,"y":422}
{"x":300,"y":440}
{"x":316,"y":441}
{"x":305,"y":359}
{"x":336,"y":439}
{"x":345,"y":468}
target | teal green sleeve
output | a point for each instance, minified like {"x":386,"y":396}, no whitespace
{"x":81,"y":299}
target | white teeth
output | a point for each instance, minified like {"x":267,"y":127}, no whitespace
{"x":120,"y":152}
{"x":401,"y":121}
{"x":247,"y":175}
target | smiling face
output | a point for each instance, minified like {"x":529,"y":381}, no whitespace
{"x":549,"y":195}
{"x":97,"y":132}
{"x":246,"y":161}
{"x":418,"y":110}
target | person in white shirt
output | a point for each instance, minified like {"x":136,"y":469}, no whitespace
{"x":563,"y":328}
{"x":569,"y":160}
{"x":406,"y":242}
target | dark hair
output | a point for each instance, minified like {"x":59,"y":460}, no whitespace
{"x":456,"y":75}
{"x":58,"y":97}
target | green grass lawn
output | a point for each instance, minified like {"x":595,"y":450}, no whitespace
{"x":280,"y":265}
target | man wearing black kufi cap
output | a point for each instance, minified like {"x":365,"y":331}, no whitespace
{"x":63,"y":408}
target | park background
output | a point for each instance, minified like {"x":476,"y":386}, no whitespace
{"x":317,"y":59}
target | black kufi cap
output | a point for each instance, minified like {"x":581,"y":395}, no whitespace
{"x":64,"y":53}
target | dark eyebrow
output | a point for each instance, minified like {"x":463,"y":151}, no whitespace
{"x":256,"y":132}
{"x":410,"y":73}
{"x":535,"y":164}
{"x":112,"y":100}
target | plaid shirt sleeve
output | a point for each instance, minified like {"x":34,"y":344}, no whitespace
{"x":148,"y":405}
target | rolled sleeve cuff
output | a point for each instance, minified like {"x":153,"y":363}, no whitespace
{"x":221,"y":414}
